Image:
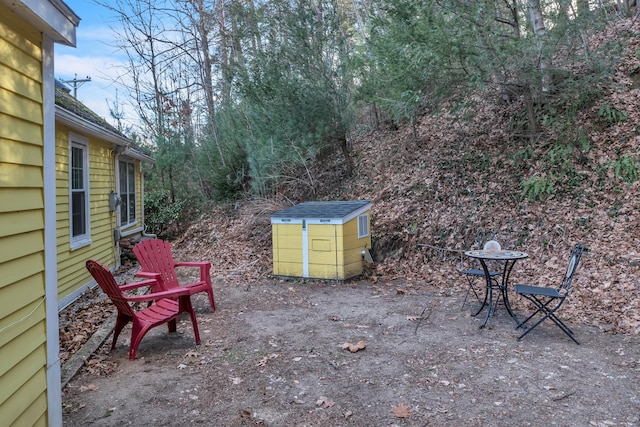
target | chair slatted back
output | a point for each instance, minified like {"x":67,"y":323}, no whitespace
{"x":109,"y":286}
{"x":572,"y":266}
{"x":155,"y":255}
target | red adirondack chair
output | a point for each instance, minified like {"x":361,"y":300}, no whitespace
{"x":165,"y":307}
{"x":154,"y":256}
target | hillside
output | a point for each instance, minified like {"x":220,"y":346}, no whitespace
{"x":439,"y":182}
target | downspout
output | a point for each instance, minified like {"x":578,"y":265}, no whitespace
{"x":144,"y":226}
{"x":115,"y":248}
{"x":54,"y":391}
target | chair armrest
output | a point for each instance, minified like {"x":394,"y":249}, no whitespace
{"x":173,"y":293}
{"x":155,"y":282}
{"x":155,"y":277}
{"x":148,"y":274}
{"x":193,"y":264}
{"x":135,"y":285}
{"x":204,"y":266}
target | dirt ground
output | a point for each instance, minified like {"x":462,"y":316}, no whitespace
{"x":272,"y":355}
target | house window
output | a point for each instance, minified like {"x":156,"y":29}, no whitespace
{"x":127,"y":192}
{"x":79,"y":192}
{"x":363,"y":226}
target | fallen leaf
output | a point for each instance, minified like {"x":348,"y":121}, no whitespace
{"x":361,"y":345}
{"x":90,"y":387}
{"x":401,"y":410}
{"x":328,"y":404}
{"x":265,"y":359}
{"x":325,"y":402}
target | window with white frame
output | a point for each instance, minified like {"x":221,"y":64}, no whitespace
{"x":79,"y":191}
{"x":363,"y":226}
{"x":127,"y":192}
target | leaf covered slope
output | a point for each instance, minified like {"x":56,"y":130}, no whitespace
{"x":440,"y":181}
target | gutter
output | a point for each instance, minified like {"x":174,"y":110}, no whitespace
{"x":73,"y":120}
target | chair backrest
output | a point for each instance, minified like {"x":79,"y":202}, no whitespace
{"x":109,"y":286}
{"x":572,"y":266}
{"x":154,"y":255}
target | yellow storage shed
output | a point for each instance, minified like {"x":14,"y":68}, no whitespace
{"x":321,"y":240}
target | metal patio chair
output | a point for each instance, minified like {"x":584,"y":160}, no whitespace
{"x":548,"y":300}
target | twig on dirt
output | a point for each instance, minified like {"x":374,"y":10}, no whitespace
{"x":424,"y":245}
{"x":421,"y":318}
{"x":269,"y":398}
{"x":555,"y":399}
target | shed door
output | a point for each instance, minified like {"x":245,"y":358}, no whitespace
{"x":320,"y":260}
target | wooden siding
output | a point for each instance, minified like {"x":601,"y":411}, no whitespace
{"x":287,"y":249}
{"x":23,"y":381}
{"x":72,"y":274}
{"x":351,"y":245}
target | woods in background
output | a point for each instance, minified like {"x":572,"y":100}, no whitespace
{"x":241,"y":97}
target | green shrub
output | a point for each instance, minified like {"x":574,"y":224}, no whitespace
{"x":161,"y":216}
{"x":537,"y":188}
{"x":626,"y":168}
{"x":611,"y":115}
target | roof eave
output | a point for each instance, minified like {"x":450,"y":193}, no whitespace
{"x":135,"y":154}
{"x":52,"y":17}
{"x":76,"y":122}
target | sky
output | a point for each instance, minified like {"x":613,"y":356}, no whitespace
{"x":93,"y":57}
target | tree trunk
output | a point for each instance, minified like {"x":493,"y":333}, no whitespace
{"x":539,"y":31}
{"x":534,"y":128}
{"x":202,"y":25}
{"x":347,"y":157}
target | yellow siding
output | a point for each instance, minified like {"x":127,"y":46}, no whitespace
{"x":352,"y":245}
{"x":324,"y":271}
{"x":20,"y":245}
{"x":72,"y":274}
{"x":23,"y":382}
{"x":26,"y":175}
{"x":18,"y":269}
{"x":21,"y":414}
{"x":18,"y":153}
{"x":26,"y":132}
{"x":287,"y":249}
{"x":324,"y":257}
{"x":21,"y":108}
{"x":21,"y":222}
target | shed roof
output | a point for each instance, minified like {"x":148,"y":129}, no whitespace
{"x":328,"y":209}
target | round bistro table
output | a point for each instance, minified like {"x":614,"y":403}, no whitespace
{"x":509,"y":258}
